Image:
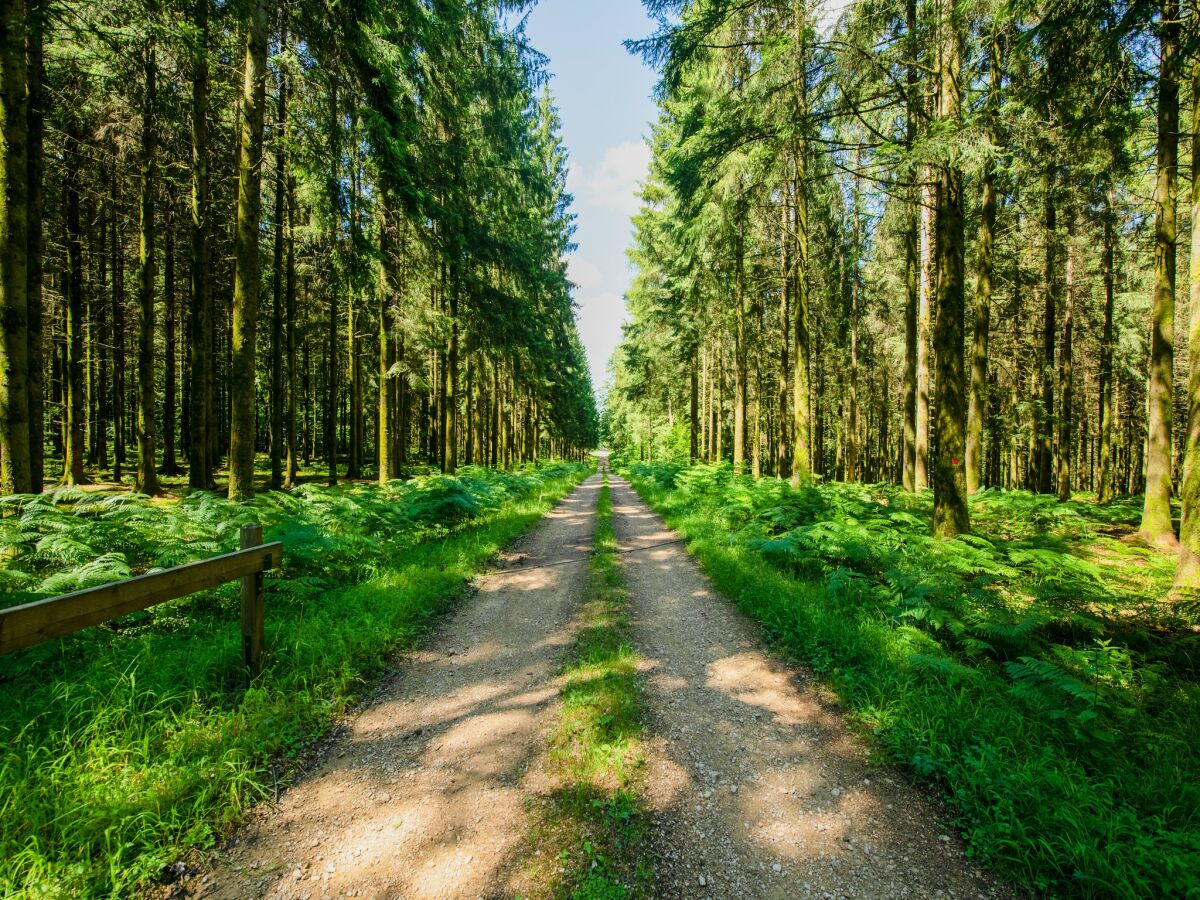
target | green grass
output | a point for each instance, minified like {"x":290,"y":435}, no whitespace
{"x":1031,"y":670}
{"x":588,"y":836}
{"x":123,"y":747}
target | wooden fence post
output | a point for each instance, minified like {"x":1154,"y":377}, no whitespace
{"x":253,"y":612}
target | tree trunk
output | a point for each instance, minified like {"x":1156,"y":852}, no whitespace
{"x":977,"y":403}
{"x":1157,"y":527}
{"x":102,"y":339}
{"x":740,"y":391}
{"x":1045,"y":456}
{"x":386,"y":346}
{"x":75,"y":408}
{"x":200,"y":463}
{"x":1187,"y":572}
{"x":1066,"y":366}
{"x":34,"y":198}
{"x":950,"y":515}
{"x":245,"y":279}
{"x":15,"y":465}
{"x":912,"y":266}
{"x":290,"y":312}
{"x":853,"y":450}
{"x":170,"y":465}
{"x":694,"y":407}
{"x":146,"y":478}
{"x":450,"y":413}
{"x":1107,"y":405}
{"x":116,"y":256}
{"x":278,"y":284}
{"x":924,"y":323}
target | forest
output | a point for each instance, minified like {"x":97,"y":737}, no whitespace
{"x":335,"y":238}
{"x":935,"y":246}
{"x":872,"y":568}
{"x":912,"y":361}
{"x":295,"y":264}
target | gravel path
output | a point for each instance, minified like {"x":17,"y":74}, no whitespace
{"x":422,"y":795}
{"x":756,"y":787}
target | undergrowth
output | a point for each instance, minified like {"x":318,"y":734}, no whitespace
{"x":123,"y":747}
{"x":588,"y":837}
{"x":1029,"y":668}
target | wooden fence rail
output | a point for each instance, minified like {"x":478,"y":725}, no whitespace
{"x":32,"y":623}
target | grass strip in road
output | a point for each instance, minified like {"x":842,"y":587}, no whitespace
{"x":120,"y":750}
{"x":588,"y":836}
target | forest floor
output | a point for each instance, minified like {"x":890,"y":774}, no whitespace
{"x":752,"y":785}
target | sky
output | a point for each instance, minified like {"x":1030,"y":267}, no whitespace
{"x":603,"y":97}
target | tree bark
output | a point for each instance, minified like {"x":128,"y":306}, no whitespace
{"x":741,"y":373}
{"x":1187,"y":571}
{"x":950,"y":515}
{"x":1045,"y":438}
{"x":245,"y":279}
{"x":386,"y":346}
{"x":853,"y":450}
{"x":170,"y":465}
{"x":977,"y":403}
{"x":36,"y":167}
{"x":1157,"y":527}
{"x":1066,"y":368}
{"x":73,"y":472}
{"x":146,"y":478}
{"x":279,"y":277}
{"x":290,"y":312}
{"x":117,"y":258}
{"x":15,"y":465}
{"x":1105,"y":491}
{"x":928,"y":279}
{"x":200,"y":463}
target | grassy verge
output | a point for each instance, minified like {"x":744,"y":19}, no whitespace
{"x":121,"y":748}
{"x":1026,"y":670}
{"x":588,"y":836}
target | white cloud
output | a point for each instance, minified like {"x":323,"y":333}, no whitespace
{"x":600,"y":317}
{"x":828,"y":14}
{"x":584,"y":273}
{"x":616,"y":181}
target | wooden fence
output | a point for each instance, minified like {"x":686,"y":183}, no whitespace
{"x":32,"y":623}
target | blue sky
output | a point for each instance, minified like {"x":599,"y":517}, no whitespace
{"x":603,"y":97}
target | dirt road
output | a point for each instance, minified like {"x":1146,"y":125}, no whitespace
{"x":757,"y":788}
{"x":422,"y":796}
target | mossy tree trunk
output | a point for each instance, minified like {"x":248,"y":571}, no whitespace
{"x":15,"y":468}
{"x":73,"y":472}
{"x":35,"y":74}
{"x":1045,"y":436}
{"x":1105,"y":490}
{"x":1187,"y":571}
{"x":1157,"y":527}
{"x":200,"y":336}
{"x":246,"y":270}
{"x":278,"y":283}
{"x":170,"y":464}
{"x":146,"y":477}
{"x":977,"y":402}
{"x":950,"y":515}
